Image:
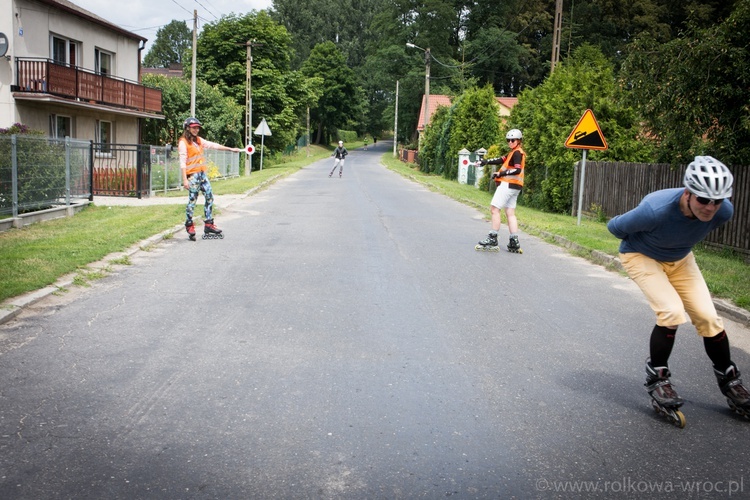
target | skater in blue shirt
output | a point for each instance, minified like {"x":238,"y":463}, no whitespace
{"x":656,"y":251}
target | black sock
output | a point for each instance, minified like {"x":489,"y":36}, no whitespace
{"x":662,"y":341}
{"x":717,"y":349}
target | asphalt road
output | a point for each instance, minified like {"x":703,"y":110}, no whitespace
{"x":345,"y":340}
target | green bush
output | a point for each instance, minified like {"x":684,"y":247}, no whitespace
{"x":40,"y":169}
{"x":347,"y":136}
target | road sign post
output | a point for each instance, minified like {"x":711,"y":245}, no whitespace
{"x":262,"y":131}
{"x":586,"y":135}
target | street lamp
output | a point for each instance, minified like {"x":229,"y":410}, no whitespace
{"x":426,"y":82}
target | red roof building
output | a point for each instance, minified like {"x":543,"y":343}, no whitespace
{"x":506,"y":104}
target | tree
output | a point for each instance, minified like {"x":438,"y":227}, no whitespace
{"x":339,"y":101}
{"x":280,"y":95}
{"x":347,"y":23}
{"x":169,"y":46}
{"x":548,"y":113}
{"x":471,"y":122}
{"x":693,"y":91}
{"x":496,"y":57}
{"x":222,"y":118}
{"x":476,"y":124}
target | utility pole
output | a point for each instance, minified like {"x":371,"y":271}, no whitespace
{"x":249,"y":101}
{"x":426,"y":84}
{"x":308,"y":132}
{"x":395,"y":123}
{"x":556,"y":35}
{"x":426,"y":88}
{"x":249,"y":106}
{"x":195,"y":49}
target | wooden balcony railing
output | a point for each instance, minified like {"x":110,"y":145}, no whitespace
{"x":48,"y":77}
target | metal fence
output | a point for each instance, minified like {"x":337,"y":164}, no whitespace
{"x":121,"y":169}
{"x":38,"y":173}
{"x":613,"y":188}
{"x":165,"y":167}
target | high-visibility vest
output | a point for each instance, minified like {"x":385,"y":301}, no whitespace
{"x":196,"y":162}
{"x":516,"y":178}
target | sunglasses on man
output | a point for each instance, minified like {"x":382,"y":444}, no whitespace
{"x":706,"y":201}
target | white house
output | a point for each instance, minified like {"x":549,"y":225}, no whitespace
{"x":68,"y":72}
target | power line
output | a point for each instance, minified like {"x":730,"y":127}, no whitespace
{"x":207,"y":9}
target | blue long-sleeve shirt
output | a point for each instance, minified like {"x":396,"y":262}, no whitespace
{"x":658,"y":229}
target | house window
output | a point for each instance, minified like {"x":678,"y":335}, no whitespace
{"x":105,"y":137}
{"x":60,"y":126}
{"x":64,"y":50}
{"x":103,"y":62}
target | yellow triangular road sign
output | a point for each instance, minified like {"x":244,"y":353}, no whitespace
{"x":587,"y":134}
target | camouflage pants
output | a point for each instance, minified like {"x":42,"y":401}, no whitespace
{"x":199,"y":182}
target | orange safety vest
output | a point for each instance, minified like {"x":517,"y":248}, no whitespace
{"x":517,"y":178}
{"x":196,"y":162}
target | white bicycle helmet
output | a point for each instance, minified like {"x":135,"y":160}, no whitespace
{"x":513,"y":134}
{"x":709,"y":178}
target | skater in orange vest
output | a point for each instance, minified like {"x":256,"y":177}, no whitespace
{"x":193,"y":167}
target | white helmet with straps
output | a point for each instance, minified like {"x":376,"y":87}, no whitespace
{"x":513,"y":134}
{"x":709,"y":178}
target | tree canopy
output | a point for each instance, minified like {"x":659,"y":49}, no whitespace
{"x":169,"y":46}
{"x":667,"y":79}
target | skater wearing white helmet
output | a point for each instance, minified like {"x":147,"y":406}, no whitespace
{"x":193,"y":167}
{"x":656,"y":251}
{"x":340,"y":155}
{"x":509,"y":179}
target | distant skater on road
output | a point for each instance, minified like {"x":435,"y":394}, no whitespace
{"x":340,"y":155}
{"x":509,"y":180}
{"x":656,"y":251}
{"x":193,"y":167}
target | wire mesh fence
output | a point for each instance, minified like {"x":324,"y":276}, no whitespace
{"x":37,"y":173}
{"x":165,"y":167}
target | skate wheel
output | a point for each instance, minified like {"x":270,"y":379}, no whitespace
{"x":675,"y":416}
{"x":678,"y":419}
{"x":738,"y":409}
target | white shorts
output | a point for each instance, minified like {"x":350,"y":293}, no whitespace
{"x":504,"y":196}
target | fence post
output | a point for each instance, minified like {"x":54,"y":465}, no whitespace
{"x":14,"y":174}
{"x":575,"y":188}
{"x":138,"y":171}
{"x":67,"y":171}
{"x":91,"y":170}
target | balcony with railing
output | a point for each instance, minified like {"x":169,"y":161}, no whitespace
{"x":45,"y":76}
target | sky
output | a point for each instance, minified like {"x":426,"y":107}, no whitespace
{"x":145,"y":17}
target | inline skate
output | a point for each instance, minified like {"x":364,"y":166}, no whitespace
{"x":664,"y":399}
{"x":731,"y":386}
{"x":210,"y":231}
{"x":513,"y":245}
{"x":190,"y":228}
{"x":489,"y":244}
